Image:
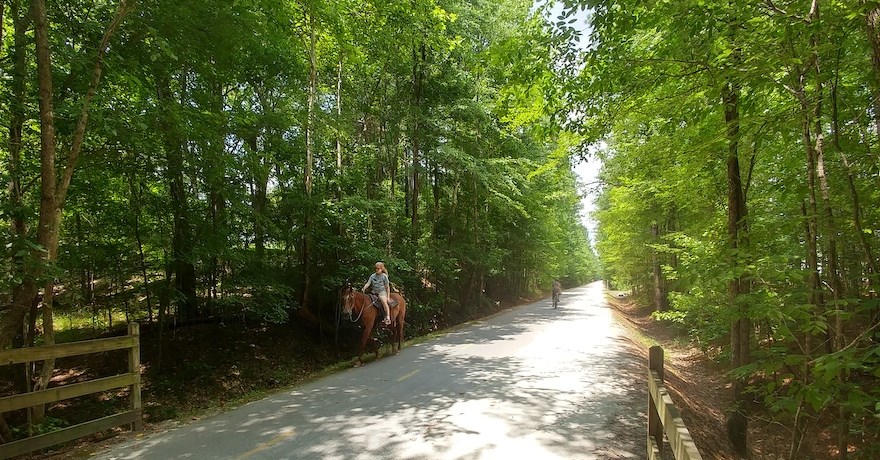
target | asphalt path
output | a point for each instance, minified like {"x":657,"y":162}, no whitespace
{"x":531,"y":382}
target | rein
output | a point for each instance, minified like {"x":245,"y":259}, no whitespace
{"x":355,"y":320}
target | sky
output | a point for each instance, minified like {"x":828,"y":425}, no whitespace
{"x":587,"y":170}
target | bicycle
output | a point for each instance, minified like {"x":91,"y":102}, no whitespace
{"x":555,"y":299}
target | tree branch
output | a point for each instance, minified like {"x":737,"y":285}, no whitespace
{"x":772,"y":7}
{"x":703,"y":65}
{"x":125,"y":6}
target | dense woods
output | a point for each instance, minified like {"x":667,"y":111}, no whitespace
{"x":740,"y":197}
{"x":177,"y":162}
{"x":181,"y":162}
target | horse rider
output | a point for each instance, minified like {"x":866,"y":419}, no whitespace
{"x":381,"y":287}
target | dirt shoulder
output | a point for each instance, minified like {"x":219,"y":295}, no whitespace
{"x":695,"y":382}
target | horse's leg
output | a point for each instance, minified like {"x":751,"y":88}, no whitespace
{"x":378,"y":346}
{"x":398,"y":330}
{"x":390,"y":328}
{"x":368,"y":328}
{"x":373,"y":320}
{"x":393,"y":344}
{"x":393,"y":329}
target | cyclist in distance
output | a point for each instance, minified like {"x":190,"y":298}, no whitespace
{"x":557,"y":289}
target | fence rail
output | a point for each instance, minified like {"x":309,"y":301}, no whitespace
{"x":132,"y":379}
{"x":663,"y":417}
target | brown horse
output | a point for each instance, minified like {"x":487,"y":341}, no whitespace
{"x":358,"y":307}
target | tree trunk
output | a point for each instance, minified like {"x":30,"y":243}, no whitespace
{"x":261,"y":173}
{"x":85,"y":285}
{"x":307,"y":174}
{"x":17,"y":111}
{"x":832,"y":245}
{"x":339,"y":118}
{"x":740,"y":334}
{"x":162,"y":314}
{"x":48,"y":366}
{"x":181,"y":240}
{"x":871,"y":21}
{"x":850,"y":175}
{"x":19,"y":250}
{"x":813,"y":288}
{"x":259,"y":198}
{"x":834,"y":271}
{"x":814,"y":294}
{"x":50,"y":213}
{"x":313,"y":82}
{"x":661,"y":299}
{"x":216,"y":177}
{"x":136,"y":209}
{"x":811,"y":110}
{"x":217,"y":203}
{"x":857,"y":217}
{"x":436,"y":191}
{"x":418,"y":77}
{"x":339,"y":227}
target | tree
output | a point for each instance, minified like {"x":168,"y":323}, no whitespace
{"x":675,"y":85}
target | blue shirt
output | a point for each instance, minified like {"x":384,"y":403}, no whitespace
{"x":379,"y":283}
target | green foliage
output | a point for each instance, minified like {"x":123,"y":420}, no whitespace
{"x":190,"y":201}
{"x":649,"y":97}
{"x":47,"y":425}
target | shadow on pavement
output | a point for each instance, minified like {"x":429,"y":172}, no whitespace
{"x":573,"y":391}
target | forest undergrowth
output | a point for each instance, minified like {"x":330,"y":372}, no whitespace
{"x":248,"y":361}
{"x":700,"y":388}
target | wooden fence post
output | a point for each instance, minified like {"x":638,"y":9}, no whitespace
{"x":130,"y":380}
{"x":655,"y":426}
{"x":134,"y":367}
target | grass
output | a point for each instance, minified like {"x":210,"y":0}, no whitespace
{"x":82,"y":325}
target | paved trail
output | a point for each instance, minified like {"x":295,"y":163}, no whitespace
{"x":532,"y":383}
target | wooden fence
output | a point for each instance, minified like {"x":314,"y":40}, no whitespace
{"x":132,"y":379}
{"x":663,"y":416}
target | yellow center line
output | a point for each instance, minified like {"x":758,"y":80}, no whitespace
{"x":401,"y":379}
{"x":268,"y":444}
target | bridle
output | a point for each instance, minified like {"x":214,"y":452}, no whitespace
{"x":349,"y":296}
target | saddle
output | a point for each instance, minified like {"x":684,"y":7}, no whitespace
{"x":378,"y":304}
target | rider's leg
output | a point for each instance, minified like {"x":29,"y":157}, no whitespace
{"x":384,"y":299}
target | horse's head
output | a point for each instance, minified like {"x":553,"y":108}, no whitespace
{"x":348,"y":297}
